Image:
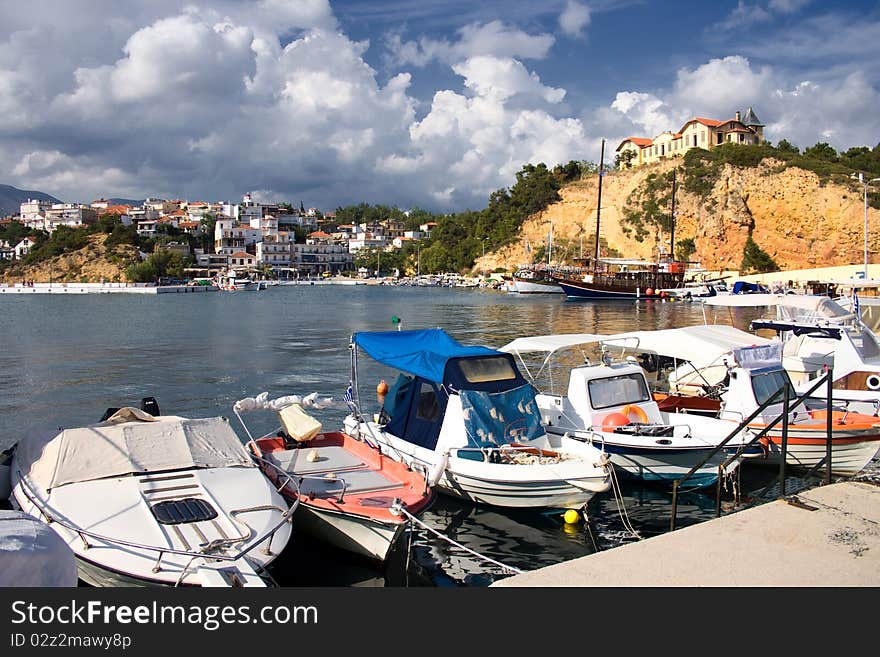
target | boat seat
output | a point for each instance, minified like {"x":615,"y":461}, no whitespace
{"x":358,"y":481}
{"x":330,"y":459}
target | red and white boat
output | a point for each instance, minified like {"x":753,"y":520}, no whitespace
{"x":350,"y":494}
{"x":753,"y":374}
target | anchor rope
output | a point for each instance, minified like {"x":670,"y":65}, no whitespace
{"x":401,"y":511}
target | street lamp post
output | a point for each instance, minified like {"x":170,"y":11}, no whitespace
{"x":418,"y":261}
{"x":865,"y":185}
{"x":483,"y":259}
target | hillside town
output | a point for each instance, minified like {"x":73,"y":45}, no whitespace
{"x":249,"y":235}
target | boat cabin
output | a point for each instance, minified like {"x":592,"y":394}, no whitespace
{"x":757,"y":375}
{"x":448,"y":396}
{"x":602,"y":395}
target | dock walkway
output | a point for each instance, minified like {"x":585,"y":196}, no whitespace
{"x":825,"y":536}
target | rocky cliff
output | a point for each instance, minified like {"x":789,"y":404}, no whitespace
{"x":799,"y":221}
{"x":94,"y":263}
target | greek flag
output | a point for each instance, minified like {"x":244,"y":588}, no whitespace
{"x":855,"y":305}
{"x":349,"y":394}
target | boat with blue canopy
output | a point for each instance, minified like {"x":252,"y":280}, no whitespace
{"x":466,"y":417}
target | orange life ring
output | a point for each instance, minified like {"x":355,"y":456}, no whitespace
{"x":638,"y":411}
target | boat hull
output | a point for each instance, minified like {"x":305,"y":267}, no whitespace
{"x":502,"y":485}
{"x":657,"y":464}
{"x":359,"y":535}
{"x":358,"y":518}
{"x":525,"y":286}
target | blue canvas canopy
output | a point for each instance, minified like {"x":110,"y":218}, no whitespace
{"x":423,"y":353}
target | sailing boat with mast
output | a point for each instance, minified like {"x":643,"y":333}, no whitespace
{"x":623,"y":278}
{"x":538,"y":279}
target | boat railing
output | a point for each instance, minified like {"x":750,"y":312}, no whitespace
{"x":209,"y":549}
{"x":287,"y":477}
{"x":787,"y":407}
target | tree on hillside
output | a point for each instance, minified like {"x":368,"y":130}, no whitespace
{"x":822,"y":151}
{"x":624,"y":159}
{"x":784,"y":146}
{"x":756,"y":260}
{"x":685,"y":249}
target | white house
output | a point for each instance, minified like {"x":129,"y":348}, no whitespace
{"x":24,"y":247}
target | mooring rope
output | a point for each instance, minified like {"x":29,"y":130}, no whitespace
{"x":398,"y":509}
{"x":618,"y":499}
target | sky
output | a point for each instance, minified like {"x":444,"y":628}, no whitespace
{"x":431,"y":104}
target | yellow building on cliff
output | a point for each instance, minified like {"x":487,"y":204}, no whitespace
{"x":698,"y":132}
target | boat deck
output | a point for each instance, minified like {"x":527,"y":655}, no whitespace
{"x":321,"y":477}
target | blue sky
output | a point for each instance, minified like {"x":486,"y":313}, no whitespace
{"x":432,"y":104}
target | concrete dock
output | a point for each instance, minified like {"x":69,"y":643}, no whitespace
{"x":104,"y":288}
{"x":823,"y":537}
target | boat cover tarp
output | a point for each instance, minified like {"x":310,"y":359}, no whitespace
{"x":500,"y":418}
{"x":702,"y":345}
{"x":421,"y":353}
{"x":32,"y":554}
{"x":759,"y":357}
{"x":111,"y":449}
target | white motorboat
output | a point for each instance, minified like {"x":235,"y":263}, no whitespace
{"x":154,"y":500}
{"x":818,"y":333}
{"x":754,"y":376}
{"x":611,"y":406}
{"x":467,"y":418}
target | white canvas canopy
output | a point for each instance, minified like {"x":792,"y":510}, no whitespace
{"x":702,"y":345}
{"x":135,"y":445}
{"x":823,"y":306}
{"x":549,"y":343}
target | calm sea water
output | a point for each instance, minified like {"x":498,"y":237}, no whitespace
{"x":64,"y":360}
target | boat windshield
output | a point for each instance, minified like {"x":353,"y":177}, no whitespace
{"x":618,"y":390}
{"x":481,"y":370}
{"x":766,"y":384}
{"x":866,"y":345}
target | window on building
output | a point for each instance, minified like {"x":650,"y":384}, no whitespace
{"x":695,"y":140}
{"x":719,"y":137}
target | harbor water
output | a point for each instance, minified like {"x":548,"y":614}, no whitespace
{"x":65,"y":360}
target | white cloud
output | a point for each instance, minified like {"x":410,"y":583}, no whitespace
{"x":788,"y":6}
{"x":745,"y":15}
{"x":574,"y":18}
{"x":503,"y":78}
{"x":493,"y":38}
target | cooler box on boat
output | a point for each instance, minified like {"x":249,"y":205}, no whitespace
{"x":298,"y":424}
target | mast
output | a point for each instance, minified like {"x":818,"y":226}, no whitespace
{"x":599,"y":202}
{"x":672,"y":233}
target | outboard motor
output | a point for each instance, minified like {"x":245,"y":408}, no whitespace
{"x":150,"y":405}
{"x":108,"y":413}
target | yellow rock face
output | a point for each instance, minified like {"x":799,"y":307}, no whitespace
{"x":800,"y":222}
{"x":88,"y":265}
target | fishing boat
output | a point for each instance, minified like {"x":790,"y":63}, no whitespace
{"x":819,"y":334}
{"x":531,"y":280}
{"x":466,"y":417}
{"x":623,"y":279}
{"x":231,"y":281}
{"x":350,"y":495}
{"x":145,"y":499}
{"x":755,"y":375}
{"x":610,"y":405}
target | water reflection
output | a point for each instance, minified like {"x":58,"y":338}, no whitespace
{"x":65,"y":360}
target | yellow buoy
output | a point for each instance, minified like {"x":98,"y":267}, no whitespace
{"x":571,"y":517}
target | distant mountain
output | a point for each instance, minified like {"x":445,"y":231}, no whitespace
{"x":126,"y":201}
{"x":11,"y":199}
